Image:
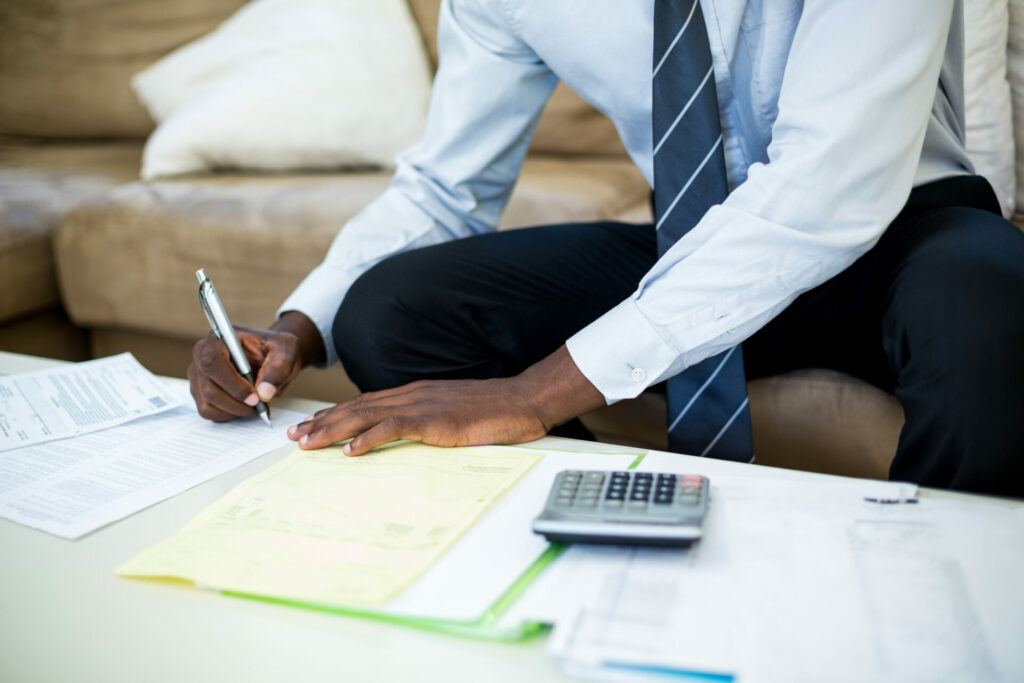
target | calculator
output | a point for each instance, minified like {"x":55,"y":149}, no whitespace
{"x":632,"y":508}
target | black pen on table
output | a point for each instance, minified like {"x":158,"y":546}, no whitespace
{"x":221,"y":327}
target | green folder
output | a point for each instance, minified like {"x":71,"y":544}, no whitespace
{"x":486,"y":627}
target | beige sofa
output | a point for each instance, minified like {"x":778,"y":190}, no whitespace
{"x":79,"y":235}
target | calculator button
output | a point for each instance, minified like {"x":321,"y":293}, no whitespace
{"x":644,"y":476}
{"x":638,"y":504}
{"x":616,"y":503}
{"x":594,"y":476}
{"x":563,"y":500}
{"x":689,"y":499}
{"x":638,"y":495}
{"x":663,"y":499}
{"x":615,"y":495}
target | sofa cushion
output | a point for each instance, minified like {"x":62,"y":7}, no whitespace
{"x":824,"y":421}
{"x":38,"y":183}
{"x":988,"y":113}
{"x":289,"y":85}
{"x":128,"y":259}
{"x":814,"y":420}
{"x":1015,"y":76}
{"x":65,"y":65}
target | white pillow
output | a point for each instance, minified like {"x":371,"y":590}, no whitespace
{"x":289,"y":84}
{"x":990,"y":143}
{"x":1015,"y":74}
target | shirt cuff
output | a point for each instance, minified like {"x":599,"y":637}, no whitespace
{"x":318,"y":298}
{"x":622,"y":354}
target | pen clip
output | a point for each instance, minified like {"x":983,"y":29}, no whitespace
{"x":203,"y":282}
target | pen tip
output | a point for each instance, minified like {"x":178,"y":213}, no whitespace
{"x":266,"y":418}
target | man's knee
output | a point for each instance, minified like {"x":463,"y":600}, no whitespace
{"x":378,"y":317}
{"x":960,"y":291}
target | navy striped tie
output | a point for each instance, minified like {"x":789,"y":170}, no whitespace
{"x":707,"y":403}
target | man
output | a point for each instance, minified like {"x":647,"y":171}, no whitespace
{"x":830,"y":112}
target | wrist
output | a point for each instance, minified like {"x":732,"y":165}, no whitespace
{"x":556,"y":391}
{"x":305,"y":331}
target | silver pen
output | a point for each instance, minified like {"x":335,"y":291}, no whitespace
{"x":221,"y":326}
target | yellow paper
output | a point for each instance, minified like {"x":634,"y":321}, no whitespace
{"x":325,"y":528}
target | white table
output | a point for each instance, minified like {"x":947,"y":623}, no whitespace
{"x":64,"y":616}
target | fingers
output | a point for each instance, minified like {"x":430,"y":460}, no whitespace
{"x":280,"y":364}
{"x":441,"y":413}
{"x":219,"y":391}
{"x":340,"y":423}
{"x":397,"y":397}
{"x":391,"y":429}
{"x":212,"y":402}
{"x":387,"y":415}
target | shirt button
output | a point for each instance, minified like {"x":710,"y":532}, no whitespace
{"x":638,"y":375}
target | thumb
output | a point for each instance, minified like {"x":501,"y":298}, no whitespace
{"x":279,"y":367}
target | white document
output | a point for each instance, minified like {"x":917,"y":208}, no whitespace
{"x":74,"y":486}
{"x":653,"y":609}
{"x":41,"y":406}
{"x":584,"y":567}
{"x":632,"y":612}
{"x":804,"y":581}
{"x":904,"y":592}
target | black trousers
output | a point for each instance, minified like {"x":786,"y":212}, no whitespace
{"x":933,"y":313}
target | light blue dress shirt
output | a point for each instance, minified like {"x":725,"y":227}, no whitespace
{"x":831,"y":111}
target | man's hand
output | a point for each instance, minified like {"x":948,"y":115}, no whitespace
{"x":457,"y":412}
{"x":276,"y":355}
